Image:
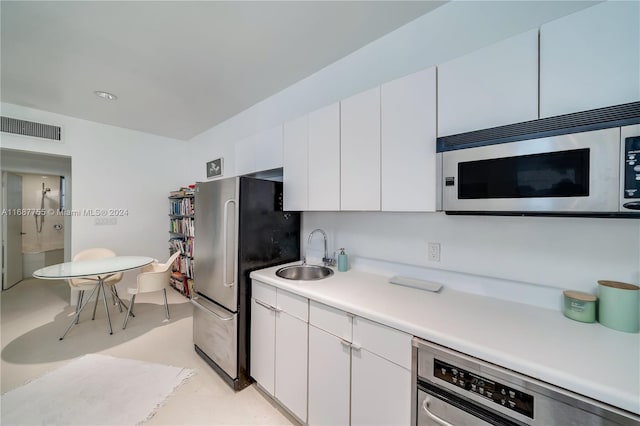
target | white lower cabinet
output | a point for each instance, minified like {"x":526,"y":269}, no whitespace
{"x":279,"y":339}
{"x":291,"y":363}
{"x":365,"y":380}
{"x":329,"y":378}
{"x":263,"y":341}
{"x":380,"y":390}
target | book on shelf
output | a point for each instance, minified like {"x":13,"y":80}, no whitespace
{"x":181,"y":245}
{"x":184,"y":191}
{"x":181,"y":227}
{"x":181,"y":207}
{"x":182,"y":283}
{"x":184,"y":226}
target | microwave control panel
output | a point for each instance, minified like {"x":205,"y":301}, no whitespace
{"x":632,"y":167}
{"x":491,"y":390}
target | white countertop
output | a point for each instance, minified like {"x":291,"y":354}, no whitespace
{"x":588,"y":359}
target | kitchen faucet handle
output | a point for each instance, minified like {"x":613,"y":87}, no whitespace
{"x":330,"y":261}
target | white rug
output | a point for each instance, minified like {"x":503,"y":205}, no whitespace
{"x":93,"y":390}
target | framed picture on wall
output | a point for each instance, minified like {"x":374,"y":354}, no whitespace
{"x":214,"y":168}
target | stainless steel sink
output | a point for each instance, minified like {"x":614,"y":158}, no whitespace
{"x":304,"y":272}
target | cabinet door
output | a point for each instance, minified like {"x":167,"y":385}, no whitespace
{"x":245,"y":153}
{"x":590,"y":59}
{"x":263,"y":339}
{"x":269,"y":149}
{"x":324,"y":158}
{"x":409,"y":143}
{"x":380,"y":391}
{"x":490,"y":87}
{"x":389,"y":343}
{"x":291,"y":364}
{"x":329,"y":379}
{"x":360,"y":151}
{"x":332,"y":320}
{"x":295,"y":167}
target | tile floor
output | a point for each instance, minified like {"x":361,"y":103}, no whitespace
{"x":35,"y":313}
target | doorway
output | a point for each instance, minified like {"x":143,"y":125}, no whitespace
{"x":35,"y":194}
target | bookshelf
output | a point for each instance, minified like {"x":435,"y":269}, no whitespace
{"x":181,"y":237}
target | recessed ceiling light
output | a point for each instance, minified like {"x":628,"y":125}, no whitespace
{"x":106,"y":95}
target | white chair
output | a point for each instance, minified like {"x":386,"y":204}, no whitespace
{"x":154,"y":277}
{"x":90,"y":283}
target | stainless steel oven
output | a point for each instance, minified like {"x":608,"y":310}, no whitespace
{"x":565,"y":171}
{"x":453,"y":389}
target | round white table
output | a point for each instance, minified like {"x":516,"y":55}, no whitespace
{"x":97,"y":270}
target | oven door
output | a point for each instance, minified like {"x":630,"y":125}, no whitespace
{"x":576,"y":173}
{"x":438,"y":407}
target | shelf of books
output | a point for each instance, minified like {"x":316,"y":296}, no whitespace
{"x":181,"y":235}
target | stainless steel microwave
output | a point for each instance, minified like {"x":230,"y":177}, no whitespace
{"x":584,"y":173}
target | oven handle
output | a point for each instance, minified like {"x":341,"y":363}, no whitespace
{"x":425,"y":407}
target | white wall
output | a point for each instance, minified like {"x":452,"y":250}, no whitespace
{"x":449,"y":31}
{"x":568,"y":253}
{"x":112,"y":168}
{"x":559,"y":252}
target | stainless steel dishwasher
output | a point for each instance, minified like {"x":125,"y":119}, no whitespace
{"x":453,"y":389}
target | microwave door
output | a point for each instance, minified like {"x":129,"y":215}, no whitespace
{"x":564,"y":174}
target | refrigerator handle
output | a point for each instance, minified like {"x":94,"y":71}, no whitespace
{"x":225,"y":238}
{"x":195,"y":303}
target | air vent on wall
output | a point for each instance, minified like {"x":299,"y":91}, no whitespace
{"x":30,"y":128}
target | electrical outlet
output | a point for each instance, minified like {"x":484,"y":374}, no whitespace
{"x":433,"y":252}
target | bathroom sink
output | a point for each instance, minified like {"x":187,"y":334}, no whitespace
{"x":304,"y":272}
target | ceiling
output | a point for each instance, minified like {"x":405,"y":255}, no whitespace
{"x":177,"y":67}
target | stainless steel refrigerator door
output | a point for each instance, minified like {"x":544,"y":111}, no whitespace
{"x":216,"y":211}
{"x":215,"y":332}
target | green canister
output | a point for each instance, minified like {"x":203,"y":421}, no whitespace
{"x":579,"y":306}
{"x":619,"y":306}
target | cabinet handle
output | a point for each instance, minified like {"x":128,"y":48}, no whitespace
{"x":425,"y":407}
{"x":355,"y":346}
{"x":264,"y":305}
{"x":345,"y":343}
{"x":225,"y":238}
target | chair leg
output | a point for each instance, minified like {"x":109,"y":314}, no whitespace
{"x":95,"y":305}
{"x":126,"y":319}
{"x":115,"y":297}
{"x":166,"y":305}
{"x":80,"y":295}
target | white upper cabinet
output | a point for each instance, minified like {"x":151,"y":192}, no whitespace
{"x":245,"y":153}
{"x":492,"y":86}
{"x":360,"y":151}
{"x":259,"y":152}
{"x":294,"y":174}
{"x":590,"y":59}
{"x":269,"y":149}
{"x":409,"y":143}
{"x":324,"y":158}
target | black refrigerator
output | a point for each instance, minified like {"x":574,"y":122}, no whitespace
{"x":240,"y":226}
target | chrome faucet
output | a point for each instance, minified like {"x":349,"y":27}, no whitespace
{"x":326,"y":260}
